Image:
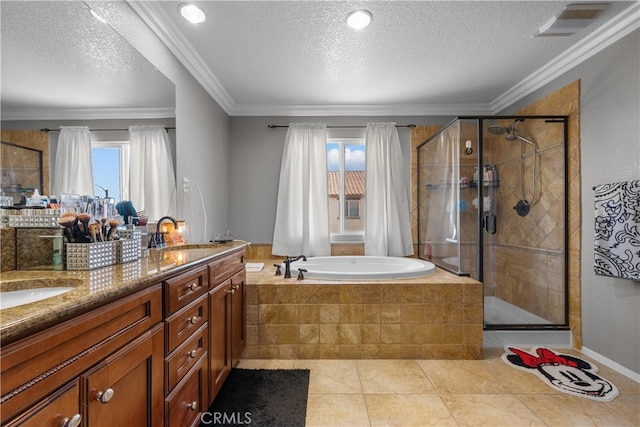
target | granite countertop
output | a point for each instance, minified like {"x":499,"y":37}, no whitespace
{"x":94,"y":288}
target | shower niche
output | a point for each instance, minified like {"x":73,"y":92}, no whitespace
{"x":492,"y":206}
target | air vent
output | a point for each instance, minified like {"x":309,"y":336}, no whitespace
{"x":573,"y":18}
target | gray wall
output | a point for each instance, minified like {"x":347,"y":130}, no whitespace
{"x":256,"y":152}
{"x":609,"y":152}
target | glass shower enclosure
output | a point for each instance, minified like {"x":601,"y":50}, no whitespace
{"x":492,"y":206}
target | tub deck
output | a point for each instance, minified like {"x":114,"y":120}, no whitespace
{"x":439,"y":316}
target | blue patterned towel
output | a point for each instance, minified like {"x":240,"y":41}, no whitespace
{"x":617,"y":230}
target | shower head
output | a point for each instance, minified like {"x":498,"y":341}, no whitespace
{"x":497,"y":130}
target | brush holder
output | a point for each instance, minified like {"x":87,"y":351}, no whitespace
{"x":87,"y":256}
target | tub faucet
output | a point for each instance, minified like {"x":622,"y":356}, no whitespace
{"x":287,"y":265}
{"x":159,"y":240}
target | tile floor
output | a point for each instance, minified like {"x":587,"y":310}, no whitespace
{"x":474,"y":393}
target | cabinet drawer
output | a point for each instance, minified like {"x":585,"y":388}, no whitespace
{"x":189,"y":399}
{"x":222,"y":269}
{"x":185,"y":288}
{"x":178,"y":363}
{"x":181,"y":324}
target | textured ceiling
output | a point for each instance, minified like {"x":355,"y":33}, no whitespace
{"x":57,"y":57}
{"x":293,"y":57}
{"x":290,"y":56}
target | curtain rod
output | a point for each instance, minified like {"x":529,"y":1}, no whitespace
{"x":101,"y":130}
{"x":411,"y":125}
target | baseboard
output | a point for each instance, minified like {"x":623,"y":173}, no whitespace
{"x":611,"y":364}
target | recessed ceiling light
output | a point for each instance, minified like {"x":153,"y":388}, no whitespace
{"x":192,"y":13}
{"x":359,"y":19}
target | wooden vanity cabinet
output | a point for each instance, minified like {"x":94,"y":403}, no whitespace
{"x":227,"y":313}
{"x":186,"y":386}
{"x":113,"y":353}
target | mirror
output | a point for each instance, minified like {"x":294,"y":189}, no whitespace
{"x":62,"y":66}
{"x":57,"y":57}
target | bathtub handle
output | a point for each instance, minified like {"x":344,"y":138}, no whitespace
{"x":300,"y":275}
{"x":278,"y":272}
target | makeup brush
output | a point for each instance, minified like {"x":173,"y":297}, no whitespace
{"x":104,"y":227}
{"x":84,"y":218}
{"x":67,"y":222}
{"x":93,"y":229}
{"x":113,"y":224}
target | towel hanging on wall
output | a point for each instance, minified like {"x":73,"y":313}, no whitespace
{"x":617,"y":230}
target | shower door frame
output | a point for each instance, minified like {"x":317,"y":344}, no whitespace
{"x":481,"y":238}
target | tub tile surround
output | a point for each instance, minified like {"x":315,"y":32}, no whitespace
{"x":449,"y":393}
{"x":439,"y":316}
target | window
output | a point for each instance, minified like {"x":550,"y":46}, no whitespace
{"x":346,"y":188}
{"x":110,"y":162}
{"x":352,"y":208}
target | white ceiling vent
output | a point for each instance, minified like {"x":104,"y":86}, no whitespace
{"x":573,"y":18}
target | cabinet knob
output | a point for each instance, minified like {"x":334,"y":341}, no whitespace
{"x":74,"y":421}
{"x":193,"y":405}
{"x":105,"y":396}
{"x":192,"y":354}
{"x":193,"y":286}
{"x":193,"y":320}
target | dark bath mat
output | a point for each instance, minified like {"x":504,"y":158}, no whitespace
{"x":261,"y":397}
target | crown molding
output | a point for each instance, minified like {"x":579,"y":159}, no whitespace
{"x":622,"y":24}
{"x":362,"y":110}
{"x":86,"y":113}
{"x":156,"y":19}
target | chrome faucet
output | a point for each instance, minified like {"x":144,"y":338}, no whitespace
{"x":287,"y":265}
{"x":158,"y":241}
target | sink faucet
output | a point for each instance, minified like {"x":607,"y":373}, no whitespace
{"x":158,"y":240}
{"x":287,"y":265}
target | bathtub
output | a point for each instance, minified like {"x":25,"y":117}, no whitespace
{"x":362,"y":267}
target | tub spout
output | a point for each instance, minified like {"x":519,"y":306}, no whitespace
{"x":287,"y":265}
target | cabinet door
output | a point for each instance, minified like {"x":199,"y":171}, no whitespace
{"x":60,"y":409}
{"x":238,"y":316}
{"x":126,"y":388}
{"x":188,"y":400}
{"x":219,"y":338}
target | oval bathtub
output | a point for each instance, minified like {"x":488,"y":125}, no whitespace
{"x":362,"y":267}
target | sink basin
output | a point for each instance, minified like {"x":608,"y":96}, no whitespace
{"x":14,"y":293}
{"x":26,"y":296}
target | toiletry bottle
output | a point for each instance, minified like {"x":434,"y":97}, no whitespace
{"x":495,"y":175}
{"x":489,"y":174}
{"x":58,"y":244}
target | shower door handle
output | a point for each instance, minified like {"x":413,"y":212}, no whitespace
{"x":489,"y":224}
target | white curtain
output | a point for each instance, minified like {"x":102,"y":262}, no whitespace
{"x":302,"y":213}
{"x":152,"y":179}
{"x":388,"y":221}
{"x":73,"y":173}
